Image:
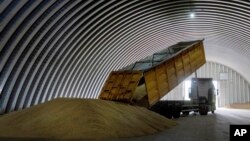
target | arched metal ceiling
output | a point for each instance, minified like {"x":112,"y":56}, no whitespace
{"x":65,"y":48}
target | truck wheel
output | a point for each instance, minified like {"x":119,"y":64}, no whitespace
{"x":203,"y":112}
{"x":203,"y":109}
{"x":168,"y":113}
{"x":169,"y":116}
{"x":186,"y":113}
{"x":176,"y":114}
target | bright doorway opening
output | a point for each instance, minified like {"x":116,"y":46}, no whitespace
{"x":187,"y":90}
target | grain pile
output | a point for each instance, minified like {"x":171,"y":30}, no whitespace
{"x":82,"y":119}
{"x":239,"y":106}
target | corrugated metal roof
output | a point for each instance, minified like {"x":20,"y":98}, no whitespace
{"x":65,"y":48}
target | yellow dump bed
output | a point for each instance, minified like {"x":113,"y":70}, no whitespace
{"x":145,"y":82}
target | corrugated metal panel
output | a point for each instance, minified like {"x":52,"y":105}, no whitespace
{"x":233,"y":90}
{"x":62,"y":48}
{"x":176,"y":94}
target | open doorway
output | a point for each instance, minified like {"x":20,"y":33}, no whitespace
{"x":187,"y":87}
{"x":216,"y":92}
{"x":187,"y":90}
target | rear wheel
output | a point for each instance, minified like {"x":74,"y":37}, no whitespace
{"x":169,"y":115}
{"x":203,"y":110}
{"x":169,"y":112}
{"x":176,"y":114}
{"x":186,"y":113}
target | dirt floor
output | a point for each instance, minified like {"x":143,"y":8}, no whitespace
{"x":81,"y":119}
{"x":239,"y":106}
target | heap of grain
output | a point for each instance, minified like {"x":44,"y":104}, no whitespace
{"x":82,"y":119}
{"x":239,"y":105}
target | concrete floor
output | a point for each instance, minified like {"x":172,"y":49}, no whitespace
{"x":213,"y":127}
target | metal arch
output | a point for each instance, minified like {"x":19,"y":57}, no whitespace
{"x":70,"y":54}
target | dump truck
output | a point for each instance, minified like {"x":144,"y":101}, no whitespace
{"x":146,"y":81}
{"x":202,"y":99}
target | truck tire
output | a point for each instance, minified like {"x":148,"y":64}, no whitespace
{"x":203,"y":111}
{"x":169,"y":112}
{"x":186,"y":113}
{"x":169,"y":116}
{"x":176,"y":114}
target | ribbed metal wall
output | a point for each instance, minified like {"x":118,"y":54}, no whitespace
{"x":233,"y":90}
{"x":178,"y":93}
{"x":62,"y":48}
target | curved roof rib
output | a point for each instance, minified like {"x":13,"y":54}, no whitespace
{"x":60,"y":48}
